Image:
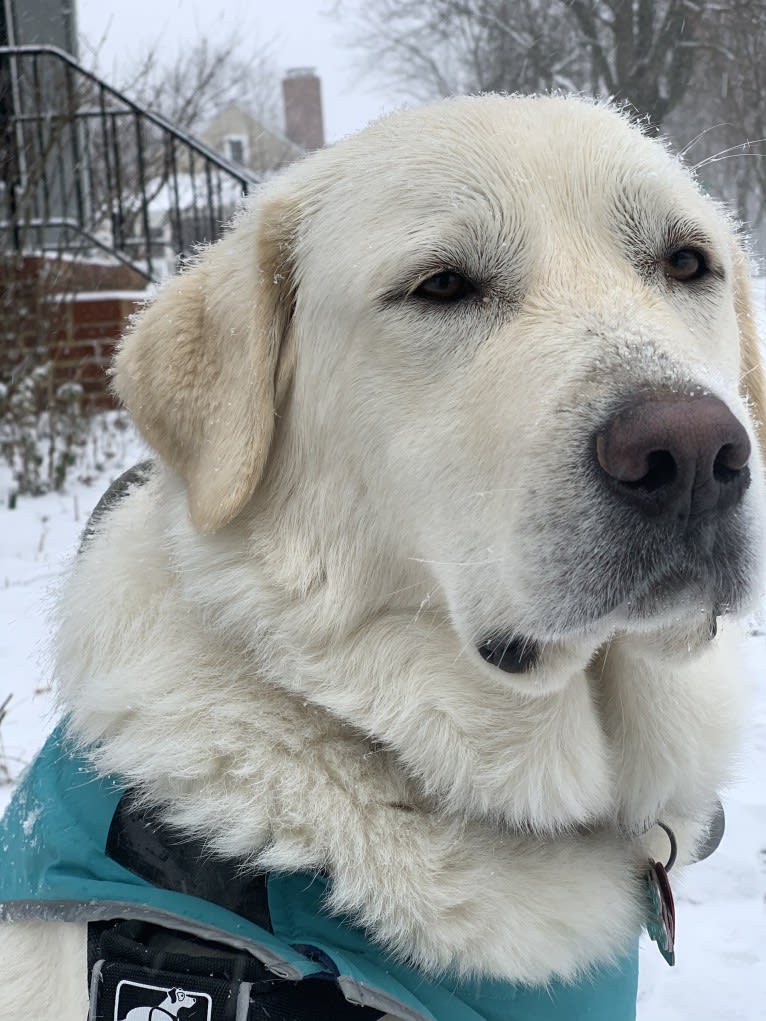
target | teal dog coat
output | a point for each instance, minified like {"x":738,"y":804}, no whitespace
{"x":73,"y":848}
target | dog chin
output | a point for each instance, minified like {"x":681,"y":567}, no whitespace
{"x":696,"y":596}
{"x":680,"y":616}
{"x":688,"y":589}
{"x":682,"y":613}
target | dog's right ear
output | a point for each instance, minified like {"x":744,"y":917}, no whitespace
{"x":198,"y":370}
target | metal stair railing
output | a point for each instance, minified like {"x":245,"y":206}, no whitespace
{"x":83,"y":169}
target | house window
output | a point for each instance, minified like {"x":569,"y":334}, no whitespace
{"x":235,"y":147}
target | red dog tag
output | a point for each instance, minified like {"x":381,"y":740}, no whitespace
{"x":661,"y":920}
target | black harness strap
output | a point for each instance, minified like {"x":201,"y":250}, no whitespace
{"x":136,"y":966}
{"x":142,"y":843}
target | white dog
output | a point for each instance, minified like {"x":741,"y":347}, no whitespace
{"x":458,"y":468}
{"x":170,"y":1007}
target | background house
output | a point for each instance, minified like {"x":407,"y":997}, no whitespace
{"x":263,"y":149}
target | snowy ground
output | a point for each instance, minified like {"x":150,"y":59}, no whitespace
{"x":721,"y":945}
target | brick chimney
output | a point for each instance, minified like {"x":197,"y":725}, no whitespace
{"x":302,"y":94}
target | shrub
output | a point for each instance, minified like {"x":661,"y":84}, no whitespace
{"x":42,"y":428}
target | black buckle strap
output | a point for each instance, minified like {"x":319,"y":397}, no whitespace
{"x":141,"y":842}
{"x":143,"y":972}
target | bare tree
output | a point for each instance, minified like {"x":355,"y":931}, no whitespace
{"x":641,"y":52}
{"x":198,"y":82}
{"x":448,"y":47}
{"x":734,"y":84}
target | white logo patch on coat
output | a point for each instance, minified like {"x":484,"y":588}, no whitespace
{"x":138,"y":1002}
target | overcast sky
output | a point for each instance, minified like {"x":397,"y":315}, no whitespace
{"x":300,"y":34}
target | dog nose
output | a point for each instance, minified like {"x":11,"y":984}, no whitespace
{"x":676,"y":455}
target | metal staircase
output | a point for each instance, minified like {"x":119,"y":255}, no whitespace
{"x":83,"y":170}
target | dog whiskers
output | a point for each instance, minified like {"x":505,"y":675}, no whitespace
{"x":459,"y":563}
{"x":731,"y":156}
{"x":423,"y":604}
{"x":731,"y":151}
{"x":705,"y":131}
{"x":746,"y":374}
{"x":492,"y":492}
{"x":406,"y":588}
{"x":607,"y":646}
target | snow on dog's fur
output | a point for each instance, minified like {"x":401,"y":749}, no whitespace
{"x":277,"y":637}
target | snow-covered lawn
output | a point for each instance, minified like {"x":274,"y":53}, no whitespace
{"x":37,"y":540}
{"x":721,"y":922}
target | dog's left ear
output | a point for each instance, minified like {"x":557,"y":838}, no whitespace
{"x":752,"y":378}
{"x":201,"y":369}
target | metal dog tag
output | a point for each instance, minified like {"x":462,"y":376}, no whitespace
{"x":661,"y":920}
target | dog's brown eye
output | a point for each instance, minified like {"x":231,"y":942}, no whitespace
{"x":685,"y":264}
{"x":445,"y":286}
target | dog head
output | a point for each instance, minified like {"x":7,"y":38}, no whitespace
{"x":521,"y":333}
{"x":177,"y":1000}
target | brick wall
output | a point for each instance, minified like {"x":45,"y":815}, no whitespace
{"x":88,"y":328}
{"x":68,"y":313}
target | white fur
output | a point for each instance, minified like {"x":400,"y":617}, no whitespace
{"x":295,"y":676}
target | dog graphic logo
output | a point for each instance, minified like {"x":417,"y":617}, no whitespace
{"x":138,"y":1002}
